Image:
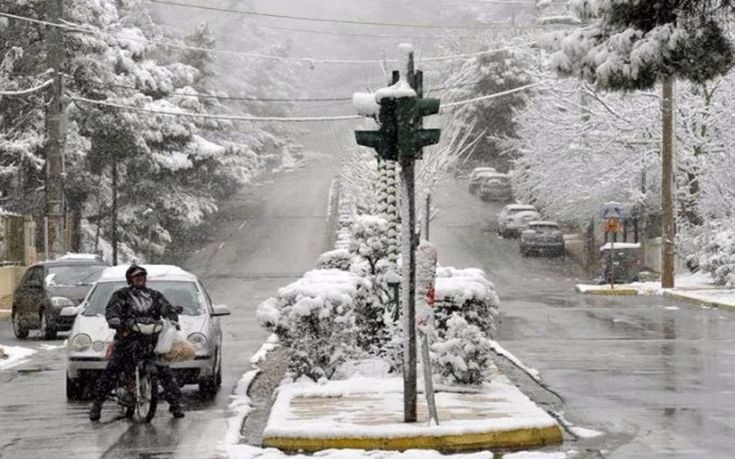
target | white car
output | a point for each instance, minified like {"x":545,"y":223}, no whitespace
{"x":514,"y":218}
{"x":476,"y":177}
{"x":90,"y":337}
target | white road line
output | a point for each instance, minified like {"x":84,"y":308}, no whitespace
{"x":220,"y":246}
{"x":242,"y":225}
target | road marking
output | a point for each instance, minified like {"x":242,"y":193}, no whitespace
{"x":242,"y":225}
{"x":220,"y":246}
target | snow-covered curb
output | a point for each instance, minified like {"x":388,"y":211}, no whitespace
{"x":380,"y":396}
{"x":14,"y":355}
{"x":240,"y":404}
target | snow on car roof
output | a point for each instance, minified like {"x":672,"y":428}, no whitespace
{"x":543,"y":223}
{"x":79,"y":256}
{"x":155,"y":272}
{"x":520,"y":207}
{"x":483,"y":169}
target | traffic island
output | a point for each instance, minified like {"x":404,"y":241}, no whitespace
{"x":367,"y":413}
{"x":618,"y":290}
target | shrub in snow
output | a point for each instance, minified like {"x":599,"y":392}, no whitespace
{"x":335,"y":259}
{"x":314,"y":319}
{"x":466,"y":292}
{"x":369,"y":239}
{"x":715,"y":254}
{"x":463,"y":355}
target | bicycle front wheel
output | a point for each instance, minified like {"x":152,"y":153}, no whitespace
{"x":147,"y":396}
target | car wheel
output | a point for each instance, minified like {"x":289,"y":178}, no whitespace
{"x":19,"y":331}
{"x":74,"y":388}
{"x":209,"y":385}
{"x":48,"y":330}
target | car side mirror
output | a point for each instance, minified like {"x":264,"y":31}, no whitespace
{"x":219,"y":310}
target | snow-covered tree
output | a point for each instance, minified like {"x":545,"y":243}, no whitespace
{"x":464,"y":355}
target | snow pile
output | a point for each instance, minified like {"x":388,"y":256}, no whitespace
{"x":253,"y":452}
{"x":716,"y":256}
{"x":240,"y":406}
{"x":11,"y":356}
{"x":463,"y":356}
{"x":335,"y":259}
{"x":314,"y":318}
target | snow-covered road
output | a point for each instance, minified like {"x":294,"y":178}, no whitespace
{"x":285,"y":232}
{"x":656,"y":374}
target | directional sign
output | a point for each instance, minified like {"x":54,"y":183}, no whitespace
{"x":612,"y":225}
{"x":612,"y":209}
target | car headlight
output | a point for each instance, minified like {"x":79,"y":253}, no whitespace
{"x":198,"y":340}
{"x":81,"y":342}
{"x":61,"y":302}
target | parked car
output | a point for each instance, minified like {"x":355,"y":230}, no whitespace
{"x":48,"y":292}
{"x":514,"y":218}
{"x":496,"y":187}
{"x":627,"y":262}
{"x":90,"y":337}
{"x":543,"y":237}
{"x":476,"y":175}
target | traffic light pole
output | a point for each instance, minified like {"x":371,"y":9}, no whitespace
{"x":408,"y":255}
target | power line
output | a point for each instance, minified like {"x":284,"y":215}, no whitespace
{"x":306,"y":60}
{"x":29,"y":90}
{"x":313,"y":19}
{"x":303,"y":119}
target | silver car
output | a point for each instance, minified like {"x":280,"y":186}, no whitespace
{"x":514,"y":218}
{"x":542,"y":237}
{"x":90,"y":337}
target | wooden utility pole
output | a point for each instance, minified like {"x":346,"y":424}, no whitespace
{"x":114,"y":212}
{"x":667,"y":183}
{"x":55,"y":135}
{"x":408,"y":257}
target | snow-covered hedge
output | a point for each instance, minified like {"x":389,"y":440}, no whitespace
{"x":715,"y":254}
{"x":335,"y":259}
{"x":468,"y":293}
{"x":315,"y":320}
{"x":464,"y":354}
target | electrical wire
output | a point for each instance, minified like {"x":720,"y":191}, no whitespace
{"x":29,"y":90}
{"x":313,"y":19}
{"x":248,"y":118}
{"x":305,"y":60}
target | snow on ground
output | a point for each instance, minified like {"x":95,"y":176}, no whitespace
{"x":240,"y":407}
{"x":14,"y":355}
{"x":535,"y":455}
{"x":532,"y":372}
{"x":583,"y":432}
{"x":270,"y":344}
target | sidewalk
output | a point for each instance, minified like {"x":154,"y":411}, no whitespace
{"x":367,"y":413}
{"x":696,"y":288}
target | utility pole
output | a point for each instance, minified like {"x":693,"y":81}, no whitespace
{"x":667,"y":183}
{"x":114,"y":212}
{"x":55,"y":135}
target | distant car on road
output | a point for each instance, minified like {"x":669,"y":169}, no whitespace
{"x":515,"y":218}
{"x":90,"y":337}
{"x":48,"y":292}
{"x":542,"y":237}
{"x":496,"y":187}
{"x":475,"y":177}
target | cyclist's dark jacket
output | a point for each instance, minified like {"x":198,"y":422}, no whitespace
{"x":134,"y":303}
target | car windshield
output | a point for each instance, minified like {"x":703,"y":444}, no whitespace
{"x":179,"y":293}
{"x":73,"y":274}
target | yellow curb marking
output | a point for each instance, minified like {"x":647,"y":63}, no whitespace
{"x":499,"y":439}
{"x":699,"y":301}
{"x":613,"y":292}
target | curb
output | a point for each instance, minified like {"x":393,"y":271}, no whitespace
{"x":520,"y":438}
{"x":622,"y":291}
{"x":698,"y":301}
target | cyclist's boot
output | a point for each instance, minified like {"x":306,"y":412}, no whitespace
{"x":176,"y":410}
{"x":95,"y":411}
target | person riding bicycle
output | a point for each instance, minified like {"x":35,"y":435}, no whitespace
{"x":128,"y":304}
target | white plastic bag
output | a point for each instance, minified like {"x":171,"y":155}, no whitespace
{"x":181,"y":349}
{"x":166,"y":338}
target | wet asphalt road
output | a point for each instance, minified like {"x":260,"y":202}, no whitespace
{"x":270,"y":234}
{"x":655,"y":375}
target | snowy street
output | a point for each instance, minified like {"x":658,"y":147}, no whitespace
{"x":639,"y":369}
{"x":272,"y":233}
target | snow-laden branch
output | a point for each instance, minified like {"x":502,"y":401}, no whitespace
{"x":24,"y":92}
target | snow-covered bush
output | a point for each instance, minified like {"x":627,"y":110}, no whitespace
{"x":335,"y":259}
{"x":315,"y":320}
{"x":715,"y":254}
{"x":463,"y":356}
{"x":369,"y":239}
{"x":466,"y":292}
